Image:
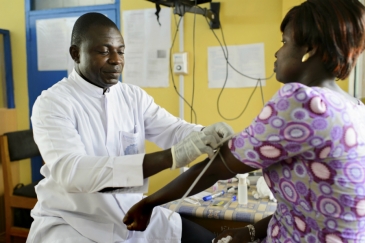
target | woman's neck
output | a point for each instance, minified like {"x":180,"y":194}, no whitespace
{"x":332,"y":85}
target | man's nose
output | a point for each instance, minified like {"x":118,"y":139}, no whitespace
{"x":116,"y":58}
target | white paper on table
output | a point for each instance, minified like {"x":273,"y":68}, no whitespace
{"x":247,"y":59}
{"x":147,"y":52}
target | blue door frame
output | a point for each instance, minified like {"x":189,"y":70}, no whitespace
{"x":48,"y":78}
{"x":8,"y":69}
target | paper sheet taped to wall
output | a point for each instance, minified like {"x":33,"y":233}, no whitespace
{"x":53,"y":42}
{"x":247,"y":59}
{"x":147,"y":52}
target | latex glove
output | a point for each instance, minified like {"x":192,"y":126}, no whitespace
{"x":236,"y":235}
{"x":219,"y":130}
{"x":224,"y":240}
{"x":191,"y":147}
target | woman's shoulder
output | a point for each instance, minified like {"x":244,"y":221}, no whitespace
{"x":298,"y":90}
{"x":296,"y":95}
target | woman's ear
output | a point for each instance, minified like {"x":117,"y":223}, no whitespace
{"x":310,"y":52}
{"x":75,"y":53}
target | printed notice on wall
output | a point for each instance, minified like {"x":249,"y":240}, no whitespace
{"x":53,"y":42}
{"x":247,"y":59}
{"x":147,"y":51}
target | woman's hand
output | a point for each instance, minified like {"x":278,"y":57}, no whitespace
{"x":239,"y":235}
{"x":138,"y":217}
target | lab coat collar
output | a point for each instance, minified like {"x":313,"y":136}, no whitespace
{"x":85,"y":86}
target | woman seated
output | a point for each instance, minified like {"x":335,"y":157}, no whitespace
{"x":309,"y":139}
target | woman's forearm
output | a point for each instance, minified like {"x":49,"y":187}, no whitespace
{"x":137,"y":218}
{"x":178,"y":187}
{"x":216,"y":171}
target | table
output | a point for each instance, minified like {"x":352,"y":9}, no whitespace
{"x":232,"y":215}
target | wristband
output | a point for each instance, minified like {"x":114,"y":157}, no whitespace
{"x":173,"y":158}
{"x":251,"y":230}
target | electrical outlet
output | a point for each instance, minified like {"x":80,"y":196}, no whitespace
{"x":180,"y":61}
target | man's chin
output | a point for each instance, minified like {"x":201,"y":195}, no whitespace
{"x":111,"y":82}
{"x":111,"y":78}
{"x":114,"y":81}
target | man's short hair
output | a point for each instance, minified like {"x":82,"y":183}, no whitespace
{"x":85,"y":22}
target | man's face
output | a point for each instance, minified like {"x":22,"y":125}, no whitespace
{"x":101,"y":56}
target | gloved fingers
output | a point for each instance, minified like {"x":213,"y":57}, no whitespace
{"x":219,"y":130}
{"x":224,"y":130}
{"x":203,"y":141}
{"x":210,"y":140}
{"x":211,"y":132}
{"x":207,"y":150}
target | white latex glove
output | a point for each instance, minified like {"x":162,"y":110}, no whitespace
{"x":224,"y":240}
{"x":219,"y":130}
{"x":191,"y":147}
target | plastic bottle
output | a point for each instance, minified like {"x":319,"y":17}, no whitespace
{"x":242,"y":188}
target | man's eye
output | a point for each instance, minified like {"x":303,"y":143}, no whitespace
{"x":104,"y":52}
{"x":120,"y":53}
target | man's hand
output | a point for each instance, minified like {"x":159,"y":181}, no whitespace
{"x":219,"y":130}
{"x":198,"y":143}
{"x":138,"y":217}
{"x":238,"y":235}
{"x":191,"y":147}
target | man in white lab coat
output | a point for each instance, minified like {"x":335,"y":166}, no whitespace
{"x":91,"y":130}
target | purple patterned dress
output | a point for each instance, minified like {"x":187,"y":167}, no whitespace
{"x":310,"y":144}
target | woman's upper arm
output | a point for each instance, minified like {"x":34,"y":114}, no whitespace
{"x":229,"y":164}
{"x":280,"y":131}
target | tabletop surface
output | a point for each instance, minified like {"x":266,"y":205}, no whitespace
{"x":224,"y":208}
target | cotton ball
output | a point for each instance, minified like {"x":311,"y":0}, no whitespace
{"x":263,"y":190}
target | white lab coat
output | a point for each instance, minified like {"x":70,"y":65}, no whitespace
{"x":90,"y":141}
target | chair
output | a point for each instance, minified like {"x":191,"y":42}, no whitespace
{"x":16,"y":146}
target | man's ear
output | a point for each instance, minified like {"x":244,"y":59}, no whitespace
{"x":75,"y":53}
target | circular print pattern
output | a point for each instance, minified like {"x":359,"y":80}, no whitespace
{"x":288,"y":190}
{"x":266,"y":112}
{"x":329,"y":206}
{"x":297,"y":132}
{"x":335,"y":102}
{"x":282,"y":105}
{"x":354,"y":172}
{"x":277,"y":122}
{"x":317,"y":105}
{"x":239,"y":142}
{"x":301,"y":96}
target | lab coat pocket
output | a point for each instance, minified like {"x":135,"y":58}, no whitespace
{"x":129,"y":143}
{"x":96,"y":231}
